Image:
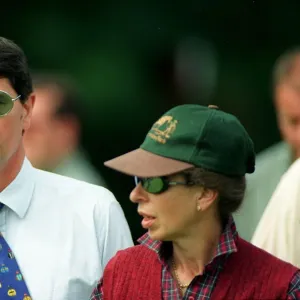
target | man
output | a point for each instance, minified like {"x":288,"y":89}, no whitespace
{"x":57,"y":233}
{"x":190,"y":178}
{"x":278,"y":229}
{"x":53,"y":141}
{"x":272,"y":163}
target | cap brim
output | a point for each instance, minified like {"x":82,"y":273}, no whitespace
{"x":146,"y":164}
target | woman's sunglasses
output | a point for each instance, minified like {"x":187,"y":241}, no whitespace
{"x":156,"y":185}
{"x":6,"y":103}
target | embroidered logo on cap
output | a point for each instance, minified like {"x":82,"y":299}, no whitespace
{"x":162,"y":130}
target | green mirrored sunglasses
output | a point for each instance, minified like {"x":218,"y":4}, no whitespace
{"x":156,"y":185}
{"x":6,"y":103}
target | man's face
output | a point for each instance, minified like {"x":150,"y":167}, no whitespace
{"x":287,"y":101}
{"x":40,"y":140}
{"x":12,"y":125}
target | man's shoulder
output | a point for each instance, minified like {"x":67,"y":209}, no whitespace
{"x":69,"y":188}
{"x":294,"y":170}
{"x":289,"y":185}
{"x":275,"y":152}
{"x":274,"y":161}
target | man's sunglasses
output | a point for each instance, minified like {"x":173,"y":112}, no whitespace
{"x":156,"y":185}
{"x":6,"y":103}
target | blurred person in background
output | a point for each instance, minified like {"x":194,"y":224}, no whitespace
{"x":53,"y":141}
{"x":189,"y":178}
{"x":57,"y":233}
{"x":279,"y":227}
{"x":273,"y":162}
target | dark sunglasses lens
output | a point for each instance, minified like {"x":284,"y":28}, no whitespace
{"x":6,"y":104}
{"x":153,"y":185}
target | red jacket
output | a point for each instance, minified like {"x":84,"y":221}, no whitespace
{"x":250,"y":273}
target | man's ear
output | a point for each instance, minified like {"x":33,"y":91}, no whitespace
{"x":27,"y":112}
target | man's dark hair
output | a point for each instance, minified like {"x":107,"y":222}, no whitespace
{"x":231,"y":189}
{"x":14,"y":67}
{"x":69,"y":100}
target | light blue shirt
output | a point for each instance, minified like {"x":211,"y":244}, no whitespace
{"x":62,"y":232}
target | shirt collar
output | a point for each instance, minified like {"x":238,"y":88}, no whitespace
{"x":17,"y":195}
{"x":226,"y":245}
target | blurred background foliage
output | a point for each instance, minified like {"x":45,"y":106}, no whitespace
{"x":129,"y":60}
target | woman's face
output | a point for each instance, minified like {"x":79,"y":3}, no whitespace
{"x":171,"y":214}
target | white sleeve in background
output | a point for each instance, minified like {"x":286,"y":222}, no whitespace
{"x":278,"y":231}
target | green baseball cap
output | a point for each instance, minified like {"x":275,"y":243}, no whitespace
{"x":190,"y":136}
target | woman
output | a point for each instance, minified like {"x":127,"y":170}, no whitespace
{"x":190,"y":177}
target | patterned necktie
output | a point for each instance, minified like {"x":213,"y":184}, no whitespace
{"x":12,"y":285}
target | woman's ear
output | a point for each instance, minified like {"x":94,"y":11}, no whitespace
{"x":206,"y":199}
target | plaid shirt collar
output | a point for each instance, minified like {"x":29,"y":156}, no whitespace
{"x":226,"y":245}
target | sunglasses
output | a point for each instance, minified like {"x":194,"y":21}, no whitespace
{"x":156,"y":185}
{"x":6,"y":103}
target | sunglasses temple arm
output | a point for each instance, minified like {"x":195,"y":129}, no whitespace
{"x":14,"y":99}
